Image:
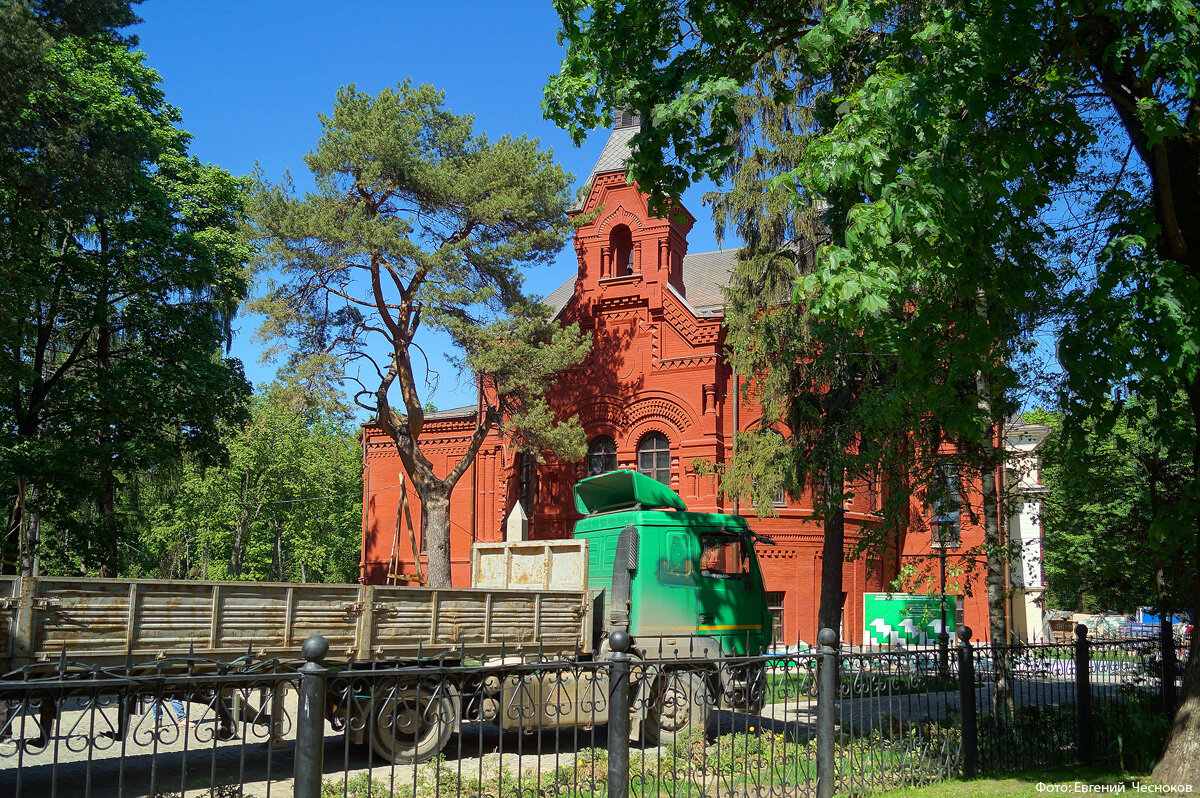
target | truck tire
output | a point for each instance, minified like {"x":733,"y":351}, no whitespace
{"x":412,"y":722}
{"x":680,"y":703}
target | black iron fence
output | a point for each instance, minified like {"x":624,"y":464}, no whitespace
{"x":644,"y":718}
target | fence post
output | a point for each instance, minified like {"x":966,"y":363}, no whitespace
{"x":618,"y":715}
{"x":1169,"y":667}
{"x":827,"y":689}
{"x":966,"y":703}
{"x":310,"y":720}
{"x":1083,"y":694}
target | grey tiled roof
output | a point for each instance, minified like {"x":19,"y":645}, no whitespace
{"x":453,"y":412}
{"x":558,"y":298}
{"x":612,"y":158}
{"x":704,"y":275}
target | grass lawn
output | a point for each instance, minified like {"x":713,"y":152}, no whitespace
{"x":1023,"y":785}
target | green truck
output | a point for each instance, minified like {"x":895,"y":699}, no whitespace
{"x":686,"y":586}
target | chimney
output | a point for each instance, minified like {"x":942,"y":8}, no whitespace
{"x":625,"y":118}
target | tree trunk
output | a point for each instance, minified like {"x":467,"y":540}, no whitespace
{"x":14,"y":533}
{"x":106,"y":511}
{"x":277,"y":574}
{"x":996,"y":549}
{"x":1180,"y":763}
{"x":27,"y":526}
{"x":106,"y":507}
{"x":997,"y":589}
{"x":435,"y":531}
{"x":239,"y":536}
{"x":33,"y":527}
{"x":995,"y":546}
{"x":833,"y":554}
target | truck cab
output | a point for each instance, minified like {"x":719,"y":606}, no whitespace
{"x":694,"y":581}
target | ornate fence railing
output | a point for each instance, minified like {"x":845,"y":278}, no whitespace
{"x":526,"y":724}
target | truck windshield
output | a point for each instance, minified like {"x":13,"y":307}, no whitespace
{"x":724,"y":557}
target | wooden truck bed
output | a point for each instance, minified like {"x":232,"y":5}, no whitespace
{"x":111,"y":621}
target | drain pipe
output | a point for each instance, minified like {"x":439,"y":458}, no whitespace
{"x":737,"y":403}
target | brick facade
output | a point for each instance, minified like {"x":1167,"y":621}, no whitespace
{"x":655,"y":367}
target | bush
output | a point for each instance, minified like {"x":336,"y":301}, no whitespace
{"x":1133,"y":729}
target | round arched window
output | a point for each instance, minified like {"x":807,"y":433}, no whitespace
{"x":620,"y":243}
{"x":601,"y":456}
{"x":654,"y":457}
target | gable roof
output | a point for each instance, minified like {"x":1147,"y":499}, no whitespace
{"x":612,"y":159}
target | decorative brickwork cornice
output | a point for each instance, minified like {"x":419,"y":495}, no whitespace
{"x":619,"y":216}
{"x":609,"y":304}
{"x":648,"y":410}
{"x":693,"y":330}
{"x":688,"y":362}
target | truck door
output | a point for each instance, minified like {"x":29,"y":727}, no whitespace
{"x":730,"y":594}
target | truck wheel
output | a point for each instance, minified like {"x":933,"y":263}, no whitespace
{"x":679,"y":704}
{"x":411,"y":723}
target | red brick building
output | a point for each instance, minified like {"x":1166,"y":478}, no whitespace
{"x":654,"y":394}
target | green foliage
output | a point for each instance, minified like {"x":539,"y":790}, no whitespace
{"x":874,"y":324}
{"x":977,"y":165}
{"x":1133,"y":728}
{"x":122,"y":267}
{"x":1116,"y":514}
{"x":287,"y":507}
{"x":1128,"y":732}
{"x":361,"y":785}
{"x":419,"y":222}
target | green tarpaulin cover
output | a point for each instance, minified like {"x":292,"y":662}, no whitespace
{"x":621,"y":490}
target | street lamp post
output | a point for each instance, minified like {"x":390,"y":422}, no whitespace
{"x":943,"y":537}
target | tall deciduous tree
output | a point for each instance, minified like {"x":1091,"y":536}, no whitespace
{"x":419,"y":222}
{"x":286,"y":507}
{"x":1111,"y":540}
{"x":822,"y":426}
{"x":957,"y":129}
{"x":122,"y":268}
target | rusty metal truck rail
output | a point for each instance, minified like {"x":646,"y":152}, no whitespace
{"x":113,"y":622}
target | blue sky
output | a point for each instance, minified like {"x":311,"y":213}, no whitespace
{"x":251,"y":77}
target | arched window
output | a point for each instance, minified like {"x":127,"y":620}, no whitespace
{"x":654,"y":457}
{"x":620,"y":244}
{"x":601,"y":456}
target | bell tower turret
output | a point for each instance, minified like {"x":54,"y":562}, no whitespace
{"x":617,"y":240}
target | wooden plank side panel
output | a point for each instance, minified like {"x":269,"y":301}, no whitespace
{"x":90,"y":618}
{"x":561,"y":621}
{"x":476,"y":620}
{"x":171,"y":618}
{"x":253,"y":617}
{"x":329,"y":610}
{"x":84,"y":616}
{"x":460,"y":618}
{"x":551,"y":618}
{"x":513,"y":618}
{"x":402,"y":619}
{"x":223,"y":620}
